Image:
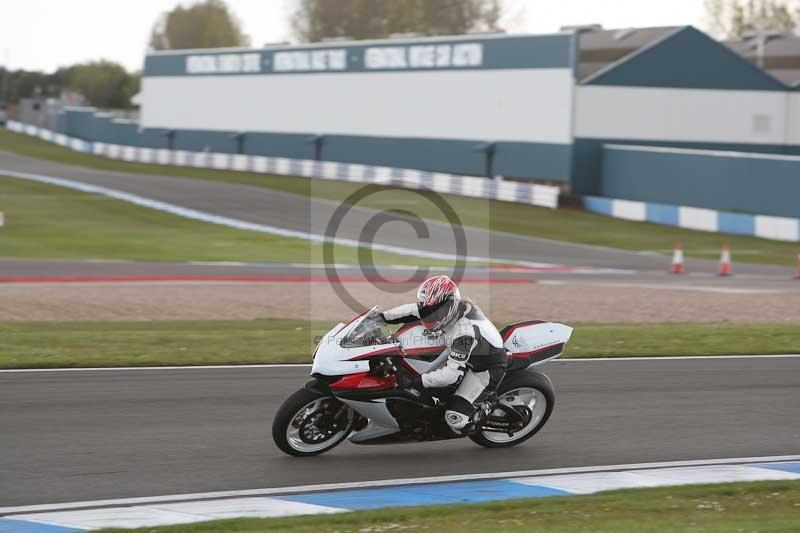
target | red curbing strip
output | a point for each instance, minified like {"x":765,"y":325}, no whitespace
{"x":542,"y":268}
{"x":237,"y":279}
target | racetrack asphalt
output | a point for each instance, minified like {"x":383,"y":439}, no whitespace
{"x":87,"y":271}
{"x":87,"y":435}
{"x":302,"y":213}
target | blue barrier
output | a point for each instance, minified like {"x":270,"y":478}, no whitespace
{"x":766,"y":226}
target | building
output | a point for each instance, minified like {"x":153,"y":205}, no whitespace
{"x":633,"y":114}
{"x":434,"y":103}
{"x":46,"y":112}
{"x":777,"y":53}
{"x":600,"y":47}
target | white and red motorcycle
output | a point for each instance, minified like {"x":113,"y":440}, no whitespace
{"x":354,"y":389}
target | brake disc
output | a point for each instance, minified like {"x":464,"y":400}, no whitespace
{"x":312,"y":429}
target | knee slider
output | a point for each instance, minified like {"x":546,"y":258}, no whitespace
{"x":459,"y":414}
{"x":457,"y":421}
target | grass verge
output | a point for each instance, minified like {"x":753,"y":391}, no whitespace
{"x":51,"y":222}
{"x":99,"y":344}
{"x":772,"y":506}
{"x":562,"y":224}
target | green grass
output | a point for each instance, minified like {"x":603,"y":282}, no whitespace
{"x":772,"y":506}
{"x":47,"y":221}
{"x":108,"y":344}
{"x":562,"y":224}
{"x":621,"y":340}
{"x":90,"y":344}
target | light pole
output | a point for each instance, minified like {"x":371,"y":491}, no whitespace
{"x":761,"y":37}
{"x":6,"y":74}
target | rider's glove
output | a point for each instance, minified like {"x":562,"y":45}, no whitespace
{"x":430,"y":334}
{"x":406,"y":381}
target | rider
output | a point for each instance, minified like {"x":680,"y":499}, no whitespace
{"x":477,"y":359}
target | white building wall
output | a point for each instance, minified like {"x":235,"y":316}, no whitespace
{"x":687,"y":115}
{"x":793,"y":114}
{"x":530,"y":105}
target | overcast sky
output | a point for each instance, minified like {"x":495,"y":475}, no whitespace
{"x":46,"y":34}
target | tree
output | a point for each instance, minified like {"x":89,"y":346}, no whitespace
{"x":314,"y":20}
{"x":735,"y":18}
{"x":207,"y":24}
{"x":18,"y":84}
{"x":104,"y":84}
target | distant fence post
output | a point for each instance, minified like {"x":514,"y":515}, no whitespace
{"x":317,"y":141}
{"x":239,"y":138}
{"x":488,"y":149}
{"x":170,"y":135}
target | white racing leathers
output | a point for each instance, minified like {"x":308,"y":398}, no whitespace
{"x":477,"y":360}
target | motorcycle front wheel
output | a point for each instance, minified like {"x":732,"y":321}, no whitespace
{"x":309,"y":423}
{"x":527,"y":391}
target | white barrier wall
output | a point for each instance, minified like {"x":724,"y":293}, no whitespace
{"x":769,"y":227}
{"x":508,"y":191}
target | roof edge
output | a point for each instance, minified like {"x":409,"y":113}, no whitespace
{"x":658,"y":42}
{"x":749,"y":63}
{"x":356,"y":42}
{"x":625,"y":59}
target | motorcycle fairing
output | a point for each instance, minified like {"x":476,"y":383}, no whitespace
{"x":380,"y":420}
{"x":533,"y":342}
{"x":333,"y":359}
{"x":422,"y":352}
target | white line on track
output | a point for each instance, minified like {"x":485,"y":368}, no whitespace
{"x":388,"y":483}
{"x":666,"y":286}
{"x":678,"y":358}
{"x":195,"y":214}
{"x":308,"y":365}
{"x":216,"y":219}
{"x":187,"y":367}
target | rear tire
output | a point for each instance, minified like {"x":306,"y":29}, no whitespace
{"x":290,"y":421}
{"x":520,"y":381}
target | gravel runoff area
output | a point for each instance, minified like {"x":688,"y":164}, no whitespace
{"x":317,"y":301}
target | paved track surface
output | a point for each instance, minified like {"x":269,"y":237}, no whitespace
{"x":31,"y":269}
{"x":69,"y":436}
{"x":301,"y":213}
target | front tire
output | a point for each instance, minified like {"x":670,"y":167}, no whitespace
{"x":528,"y":388}
{"x":309,"y":423}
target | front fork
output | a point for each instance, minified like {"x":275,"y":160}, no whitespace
{"x":322,"y":388}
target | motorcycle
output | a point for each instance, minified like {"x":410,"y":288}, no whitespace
{"x":355,"y":394}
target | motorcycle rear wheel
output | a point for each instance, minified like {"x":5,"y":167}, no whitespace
{"x":526,"y":388}
{"x":309,"y":423}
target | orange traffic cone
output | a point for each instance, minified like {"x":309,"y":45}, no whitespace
{"x":797,"y":273}
{"x":725,"y":261}
{"x":677,"y":260}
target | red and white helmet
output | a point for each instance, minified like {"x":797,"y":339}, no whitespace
{"x":438,"y":299}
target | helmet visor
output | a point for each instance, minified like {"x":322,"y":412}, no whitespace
{"x":434,"y":316}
